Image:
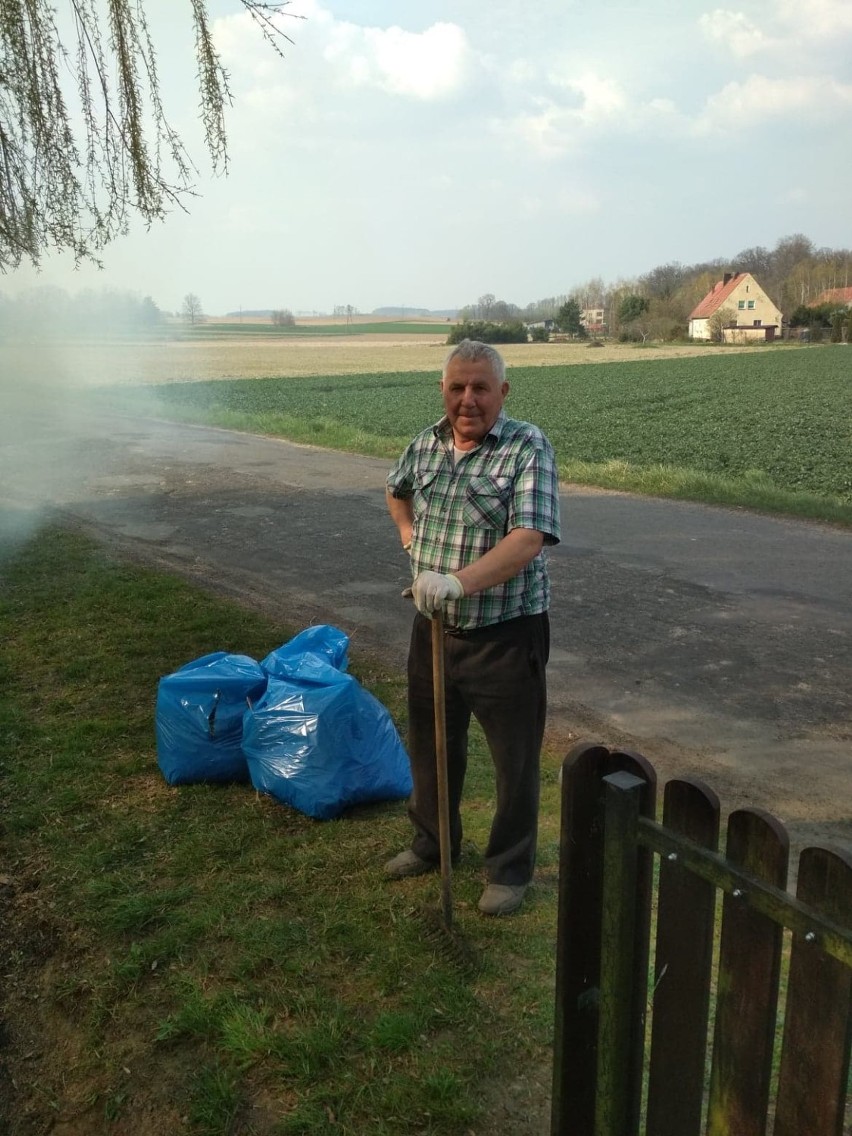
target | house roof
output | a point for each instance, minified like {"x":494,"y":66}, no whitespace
{"x":835,"y":296}
{"x":717,"y":296}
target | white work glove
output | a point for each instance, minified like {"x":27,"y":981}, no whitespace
{"x":431,"y":590}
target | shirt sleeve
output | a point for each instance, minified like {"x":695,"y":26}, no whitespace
{"x":535,"y":499}
{"x":400,"y":481}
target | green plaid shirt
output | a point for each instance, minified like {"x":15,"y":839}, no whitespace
{"x":462,"y":509}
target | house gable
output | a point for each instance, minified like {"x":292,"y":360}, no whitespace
{"x":741,"y":294}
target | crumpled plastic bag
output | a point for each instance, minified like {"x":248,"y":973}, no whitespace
{"x":318,"y":742}
{"x":199,"y":718}
{"x":330,"y":643}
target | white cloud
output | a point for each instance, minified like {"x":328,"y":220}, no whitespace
{"x":816,"y":19}
{"x":601,"y":98}
{"x":424,"y":65}
{"x":745,"y":106}
{"x":521,"y":71}
{"x":428,"y":65}
{"x":573,"y":111}
{"x":559,"y":118}
{"x":735,"y":31}
{"x":795,"y":25}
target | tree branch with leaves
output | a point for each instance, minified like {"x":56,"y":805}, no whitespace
{"x":85,"y":142}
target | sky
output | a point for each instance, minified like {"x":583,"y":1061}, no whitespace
{"x":421,"y":155}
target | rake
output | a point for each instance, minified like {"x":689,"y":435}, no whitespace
{"x":440,"y":926}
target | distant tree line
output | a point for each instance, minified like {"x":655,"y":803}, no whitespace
{"x":656,"y":305}
{"x":489,"y":331}
{"x":47,"y":310}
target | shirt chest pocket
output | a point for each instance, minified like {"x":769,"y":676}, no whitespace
{"x":486,"y":503}
{"x":425,"y":489}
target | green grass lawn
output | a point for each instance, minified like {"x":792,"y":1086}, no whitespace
{"x":202,"y":959}
{"x":769,"y":430}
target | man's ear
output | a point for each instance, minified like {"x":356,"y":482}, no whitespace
{"x":504,"y":390}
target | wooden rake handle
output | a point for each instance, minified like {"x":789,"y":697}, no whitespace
{"x":440,"y":702}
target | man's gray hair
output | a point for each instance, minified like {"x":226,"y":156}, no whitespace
{"x":473,"y":349}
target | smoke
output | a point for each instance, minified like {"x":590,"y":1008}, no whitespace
{"x":38,"y":422}
{"x":57,"y":354}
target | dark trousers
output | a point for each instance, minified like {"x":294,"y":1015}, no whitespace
{"x":497,"y":674}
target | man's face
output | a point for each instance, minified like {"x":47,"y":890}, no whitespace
{"x":472,"y":399}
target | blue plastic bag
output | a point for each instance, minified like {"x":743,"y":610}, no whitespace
{"x":330,"y":643}
{"x":199,"y":718}
{"x":320,"y":743}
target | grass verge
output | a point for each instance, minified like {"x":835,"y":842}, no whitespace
{"x":202,"y":959}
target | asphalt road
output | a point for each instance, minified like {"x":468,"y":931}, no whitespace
{"x":716,"y":641}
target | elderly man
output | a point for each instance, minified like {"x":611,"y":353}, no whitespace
{"x":475,"y":499}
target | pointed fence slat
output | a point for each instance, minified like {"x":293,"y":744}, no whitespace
{"x":578,"y":934}
{"x":749,"y":970}
{"x":818,"y":1018}
{"x":683,"y":962}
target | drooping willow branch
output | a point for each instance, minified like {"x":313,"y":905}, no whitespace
{"x":85,"y":142}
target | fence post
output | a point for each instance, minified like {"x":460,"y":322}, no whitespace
{"x":618,"y":1029}
{"x":578,"y":931}
{"x":578,"y":943}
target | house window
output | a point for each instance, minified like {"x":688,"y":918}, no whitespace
{"x":750,"y":304}
{"x":758,"y":323}
{"x":740,"y":303}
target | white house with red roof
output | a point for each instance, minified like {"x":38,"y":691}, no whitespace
{"x":750,"y":314}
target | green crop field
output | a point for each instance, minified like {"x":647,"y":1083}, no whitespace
{"x":768,"y":429}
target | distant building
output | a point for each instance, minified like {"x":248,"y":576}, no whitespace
{"x":842,"y":297}
{"x":753,"y":316}
{"x":593,"y":320}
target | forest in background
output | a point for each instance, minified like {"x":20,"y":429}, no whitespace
{"x":794,"y":274}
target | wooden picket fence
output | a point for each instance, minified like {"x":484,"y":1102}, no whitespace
{"x":692,"y":1047}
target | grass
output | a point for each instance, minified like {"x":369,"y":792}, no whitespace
{"x":206,"y":960}
{"x":201,"y":959}
{"x":768,"y":430}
